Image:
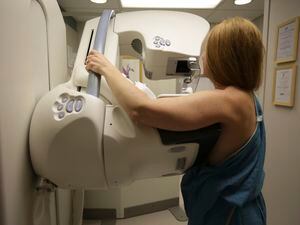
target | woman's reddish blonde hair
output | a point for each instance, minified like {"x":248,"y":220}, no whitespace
{"x":234,"y":54}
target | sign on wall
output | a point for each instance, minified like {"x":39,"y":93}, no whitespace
{"x":287,"y":41}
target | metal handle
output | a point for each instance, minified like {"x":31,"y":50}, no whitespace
{"x":94,"y":81}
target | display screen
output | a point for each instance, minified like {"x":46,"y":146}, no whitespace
{"x":182,"y":66}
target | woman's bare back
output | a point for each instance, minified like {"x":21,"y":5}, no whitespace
{"x":238,"y":129}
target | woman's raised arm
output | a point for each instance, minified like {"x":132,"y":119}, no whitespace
{"x":177,"y":113}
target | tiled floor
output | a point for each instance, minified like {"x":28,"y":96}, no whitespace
{"x":158,"y":218}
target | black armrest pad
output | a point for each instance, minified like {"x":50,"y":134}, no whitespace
{"x":205,"y":137}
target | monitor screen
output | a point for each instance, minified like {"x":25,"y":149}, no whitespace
{"x":182,"y":66}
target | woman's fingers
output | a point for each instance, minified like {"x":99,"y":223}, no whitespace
{"x":93,"y":67}
{"x":94,"y":63}
{"x":92,"y":59}
{"x":95,"y":58}
{"x":97,"y":62}
{"x":93,"y":52}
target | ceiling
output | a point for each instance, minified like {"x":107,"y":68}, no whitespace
{"x":82,"y":10}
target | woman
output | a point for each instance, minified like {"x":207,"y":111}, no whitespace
{"x":227,"y":188}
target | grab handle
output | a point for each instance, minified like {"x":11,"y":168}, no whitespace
{"x":94,"y":81}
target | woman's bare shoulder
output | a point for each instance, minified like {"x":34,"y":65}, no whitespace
{"x":239,"y":101}
{"x":235,"y":103}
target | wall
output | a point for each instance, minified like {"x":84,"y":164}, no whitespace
{"x":26,"y":64}
{"x":72,"y":47}
{"x":259,"y":22}
{"x":80,"y":26}
{"x":282,"y":184}
{"x":17,"y":99}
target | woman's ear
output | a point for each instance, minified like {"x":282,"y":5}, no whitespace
{"x":203,"y":65}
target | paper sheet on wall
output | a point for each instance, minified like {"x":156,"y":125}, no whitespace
{"x":283,"y":85}
{"x":131,"y":68}
{"x":286,"y":42}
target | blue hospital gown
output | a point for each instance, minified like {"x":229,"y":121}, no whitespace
{"x":212,"y":193}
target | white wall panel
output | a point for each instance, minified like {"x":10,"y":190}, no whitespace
{"x":282,"y":184}
{"x":21,"y":83}
{"x":24,"y":78}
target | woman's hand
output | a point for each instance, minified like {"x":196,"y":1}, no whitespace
{"x":97,"y":63}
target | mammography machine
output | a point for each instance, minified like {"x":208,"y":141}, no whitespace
{"x":81,"y":138}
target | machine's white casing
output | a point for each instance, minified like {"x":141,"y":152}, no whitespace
{"x":185,"y":32}
{"x":68,"y":151}
{"x":99,"y":146}
{"x":79,"y":76}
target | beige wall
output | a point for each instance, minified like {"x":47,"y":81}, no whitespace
{"x":282,"y":184}
{"x":25,"y":65}
{"x":80,"y":26}
{"x":259,"y":22}
{"x":72,"y":47}
{"x":17,"y":97}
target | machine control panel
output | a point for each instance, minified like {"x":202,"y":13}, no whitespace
{"x":159,"y":42}
{"x":70,"y":106}
{"x":61,"y":115}
{"x":64,"y":98}
{"x":59,"y":107}
{"x":67,"y":104}
{"x":78,"y":104}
